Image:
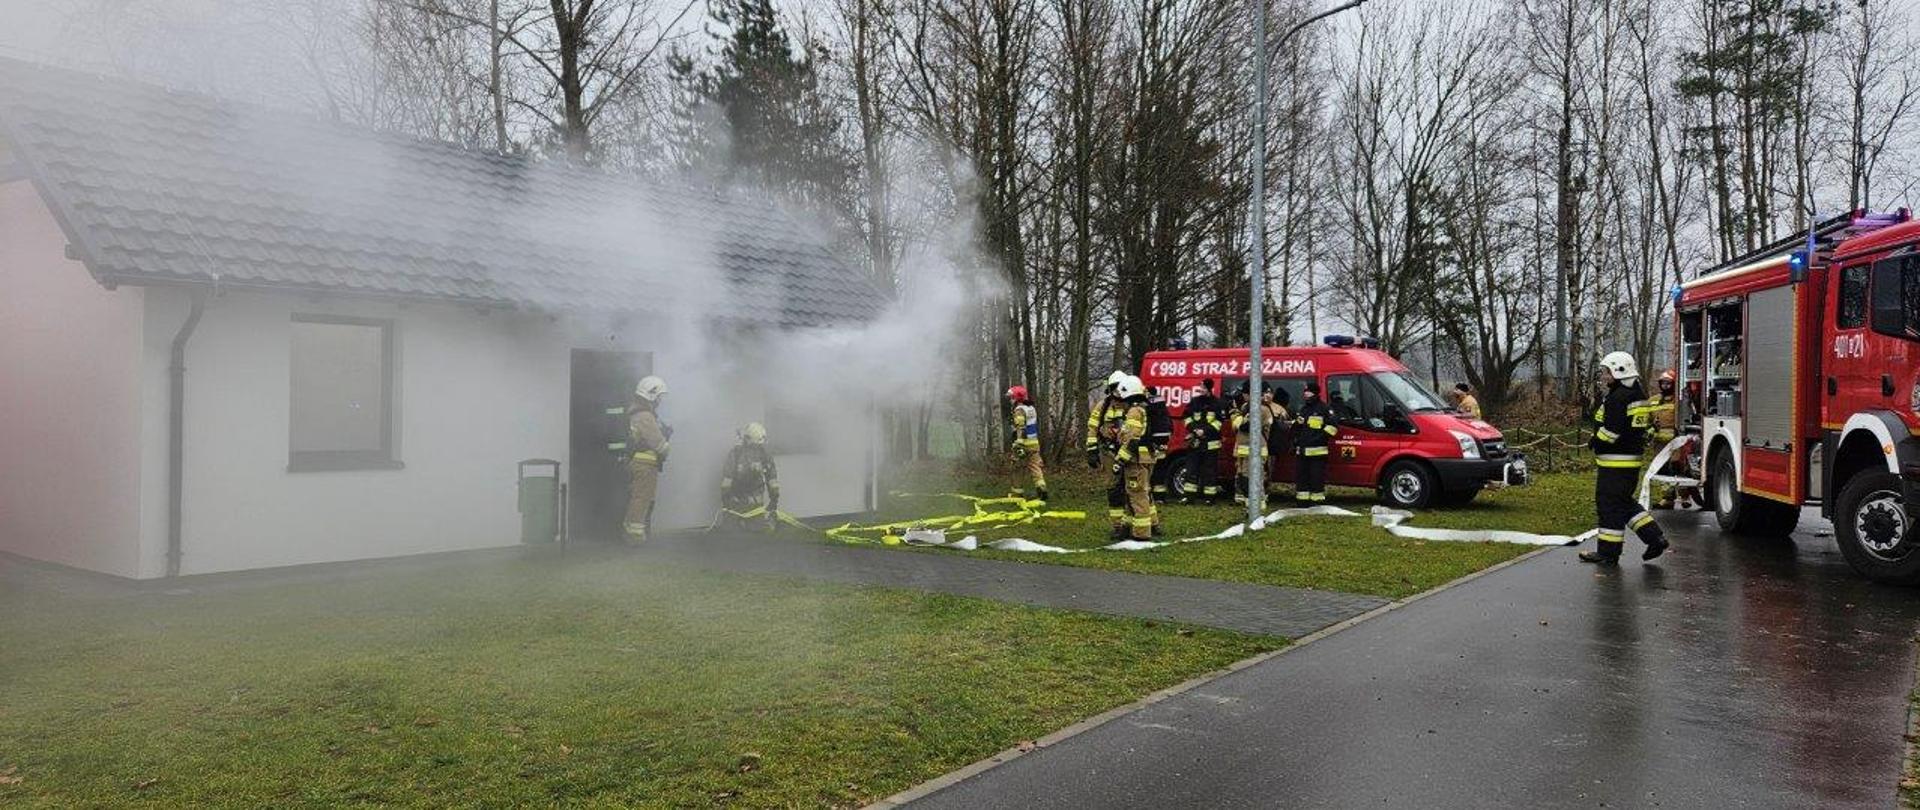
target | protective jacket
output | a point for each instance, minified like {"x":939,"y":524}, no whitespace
{"x":1203,"y":422}
{"x":1100,"y":419}
{"x":1314,"y":427}
{"x":1133,"y":437}
{"x":1621,"y":423}
{"x":1243,"y":435}
{"x":1026,"y":427}
{"x":749,"y":468}
{"x":645,"y":438}
{"x":1663,"y":418}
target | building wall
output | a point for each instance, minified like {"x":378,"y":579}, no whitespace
{"x":70,"y":403}
{"x":475,"y":393}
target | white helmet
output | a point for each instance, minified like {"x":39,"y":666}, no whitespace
{"x":1621,"y":366}
{"x":754,"y":433}
{"x":1115,"y":378}
{"x":1129,"y":387}
{"x":650,"y":388}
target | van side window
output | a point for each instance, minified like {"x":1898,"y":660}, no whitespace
{"x":1356,"y":400}
{"x":1852,"y":309}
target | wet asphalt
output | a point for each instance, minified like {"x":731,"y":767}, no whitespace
{"x":1732,"y":673}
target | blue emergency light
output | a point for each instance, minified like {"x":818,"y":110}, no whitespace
{"x":1797,"y":266}
{"x":1337,"y":341}
{"x":1675,"y":292}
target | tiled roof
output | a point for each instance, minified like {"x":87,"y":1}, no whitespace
{"x":160,"y":187}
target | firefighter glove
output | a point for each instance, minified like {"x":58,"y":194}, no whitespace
{"x":1093,"y":458}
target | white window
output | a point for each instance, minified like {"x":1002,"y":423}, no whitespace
{"x":342,"y":394}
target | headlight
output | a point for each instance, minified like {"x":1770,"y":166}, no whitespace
{"x":1468,"y":447}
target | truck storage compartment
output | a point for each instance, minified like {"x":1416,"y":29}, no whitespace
{"x":1769,"y":377}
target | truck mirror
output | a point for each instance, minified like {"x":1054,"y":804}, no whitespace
{"x":1887,"y":317}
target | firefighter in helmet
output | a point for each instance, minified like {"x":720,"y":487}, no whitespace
{"x":647,"y":443}
{"x":1135,"y":458}
{"x":1244,"y":411}
{"x":1619,"y":440}
{"x":1664,"y":426}
{"x":1103,"y":423}
{"x":1201,"y":482}
{"x":750,"y":480}
{"x":1313,"y":430}
{"x":1465,"y":401}
{"x":1026,"y":439}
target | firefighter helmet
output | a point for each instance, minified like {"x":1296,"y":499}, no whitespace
{"x":1017,"y":393}
{"x":1620,"y":366}
{"x":1129,"y":387}
{"x":1666,"y":376}
{"x":1115,"y":378}
{"x":650,"y":388}
{"x":754,"y":433}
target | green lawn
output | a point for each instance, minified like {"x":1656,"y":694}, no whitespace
{"x":1342,"y":554}
{"x":535,"y":682}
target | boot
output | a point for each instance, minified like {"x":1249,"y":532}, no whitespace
{"x":1040,"y":494}
{"x":1121,"y":533}
{"x":1597,"y":558}
{"x":1655,"y":548}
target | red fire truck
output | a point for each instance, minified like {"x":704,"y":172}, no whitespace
{"x":1396,"y":436}
{"x":1798,"y":369}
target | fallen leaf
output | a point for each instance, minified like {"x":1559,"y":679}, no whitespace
{"x":10,"y":779}
{"x":1027,"y":745}
{"x":426,"y":722}
{"x":374,"y":729}
{"x":566,"y":750}
{"x":146,"y":783}
{"x":513,"y":731}
{"x":1543,"y":622}
{"x":749,"y":761}
{"x":1185,"y":631}
{"x":725,"y":795}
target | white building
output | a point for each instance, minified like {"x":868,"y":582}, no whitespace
{"x":370,"y":333}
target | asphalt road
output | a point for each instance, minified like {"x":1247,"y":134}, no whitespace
{"x":1733,"y":673}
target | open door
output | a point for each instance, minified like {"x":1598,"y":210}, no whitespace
{"x":602,"y":383}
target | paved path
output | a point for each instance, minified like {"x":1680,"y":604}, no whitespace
{"x":1261,"y":609}
{"x":1738,"y":673}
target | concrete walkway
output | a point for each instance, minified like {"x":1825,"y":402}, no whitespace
{"x":1260,"y":609}
{"x":1737,"y":673}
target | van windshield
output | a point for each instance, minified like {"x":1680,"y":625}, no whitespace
{"x":1408,"y":392}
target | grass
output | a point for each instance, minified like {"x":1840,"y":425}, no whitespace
{"x":537,"y":682}
{"x":1341,"y":554}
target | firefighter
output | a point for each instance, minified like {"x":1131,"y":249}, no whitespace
{"x":1103,"y":423}
{"x":1243,"y":414}
{"x":1663,"y":426}
{"x":647,"y":441}
{"x":1465,"y":401}
{"x":1026,"y":439}
{"x":1202,"y":481}
{"x":1313,"y":429}
{"x":1159,"y":435}
{"x":1135,"y":458}
{"x":1619,"y":440}
{"x":749,"y":480}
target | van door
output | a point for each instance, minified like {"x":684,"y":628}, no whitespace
{"x":1366,"y":437}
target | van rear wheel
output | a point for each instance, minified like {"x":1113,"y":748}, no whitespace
{"x":1739,"y":513}
{"x":1875,"y":534}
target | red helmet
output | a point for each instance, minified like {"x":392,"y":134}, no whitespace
{"x":1666,"y":376}
{"x":1017,"y":393}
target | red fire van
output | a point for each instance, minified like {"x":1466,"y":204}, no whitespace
{"x":1396,"y":436}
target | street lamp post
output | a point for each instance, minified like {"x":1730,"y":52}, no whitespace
{"x":1256,"y":333}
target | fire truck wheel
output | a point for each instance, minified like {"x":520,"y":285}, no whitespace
{"x":1871,"y":526}
{"x":1739,"y":513}
{"x":1408,"y":485}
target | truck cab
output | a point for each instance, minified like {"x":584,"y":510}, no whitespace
{"x":1396,"y":436}
{"x":1799,"y":380}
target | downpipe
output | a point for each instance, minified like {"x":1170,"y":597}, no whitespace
{"x":176,"y":428}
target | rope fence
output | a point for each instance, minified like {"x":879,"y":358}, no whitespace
{"x":1562,"y":450}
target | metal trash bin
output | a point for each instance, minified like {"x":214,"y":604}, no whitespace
{"x":539,"y":500}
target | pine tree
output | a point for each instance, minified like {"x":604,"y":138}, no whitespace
{"x":758,"y":115}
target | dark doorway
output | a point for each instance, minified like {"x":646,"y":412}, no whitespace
{"x":597,"y":490}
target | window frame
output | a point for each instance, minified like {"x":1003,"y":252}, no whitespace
{"x":384,"y":458}
{"x":1862,"y":317}
{"x":1903,"y":271}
